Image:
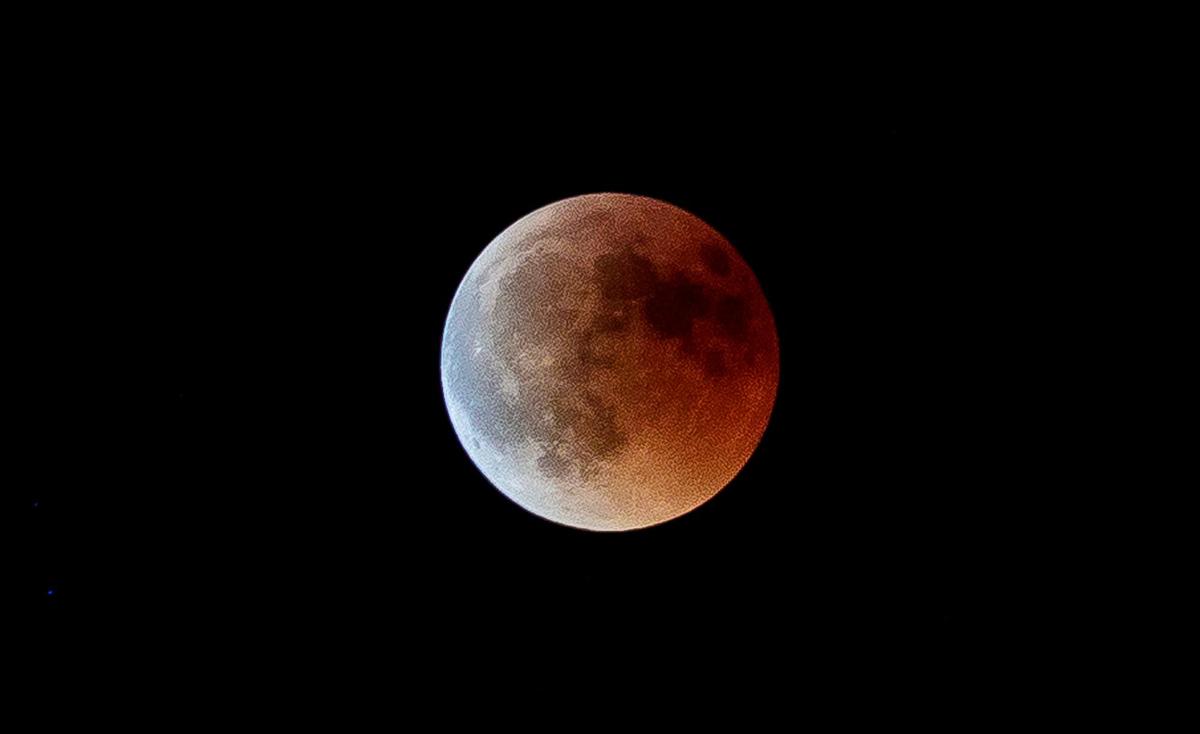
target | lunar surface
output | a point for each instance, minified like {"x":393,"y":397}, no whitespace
{"x":609,"y":362}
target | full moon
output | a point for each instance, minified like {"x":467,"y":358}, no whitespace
{"x":609,"y":362}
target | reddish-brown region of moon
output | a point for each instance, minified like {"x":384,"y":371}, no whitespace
{"x":610,"y":362}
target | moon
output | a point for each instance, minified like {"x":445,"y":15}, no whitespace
{"x":609,"y":362}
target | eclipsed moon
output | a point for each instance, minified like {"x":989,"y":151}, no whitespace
{"x":609,"y":362}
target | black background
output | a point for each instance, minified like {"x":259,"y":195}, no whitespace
{"x":235,"y":433}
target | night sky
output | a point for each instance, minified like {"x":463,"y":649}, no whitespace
{"x":235,"y":429}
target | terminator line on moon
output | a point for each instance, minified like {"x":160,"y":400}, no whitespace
{"x":609,"y":362}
